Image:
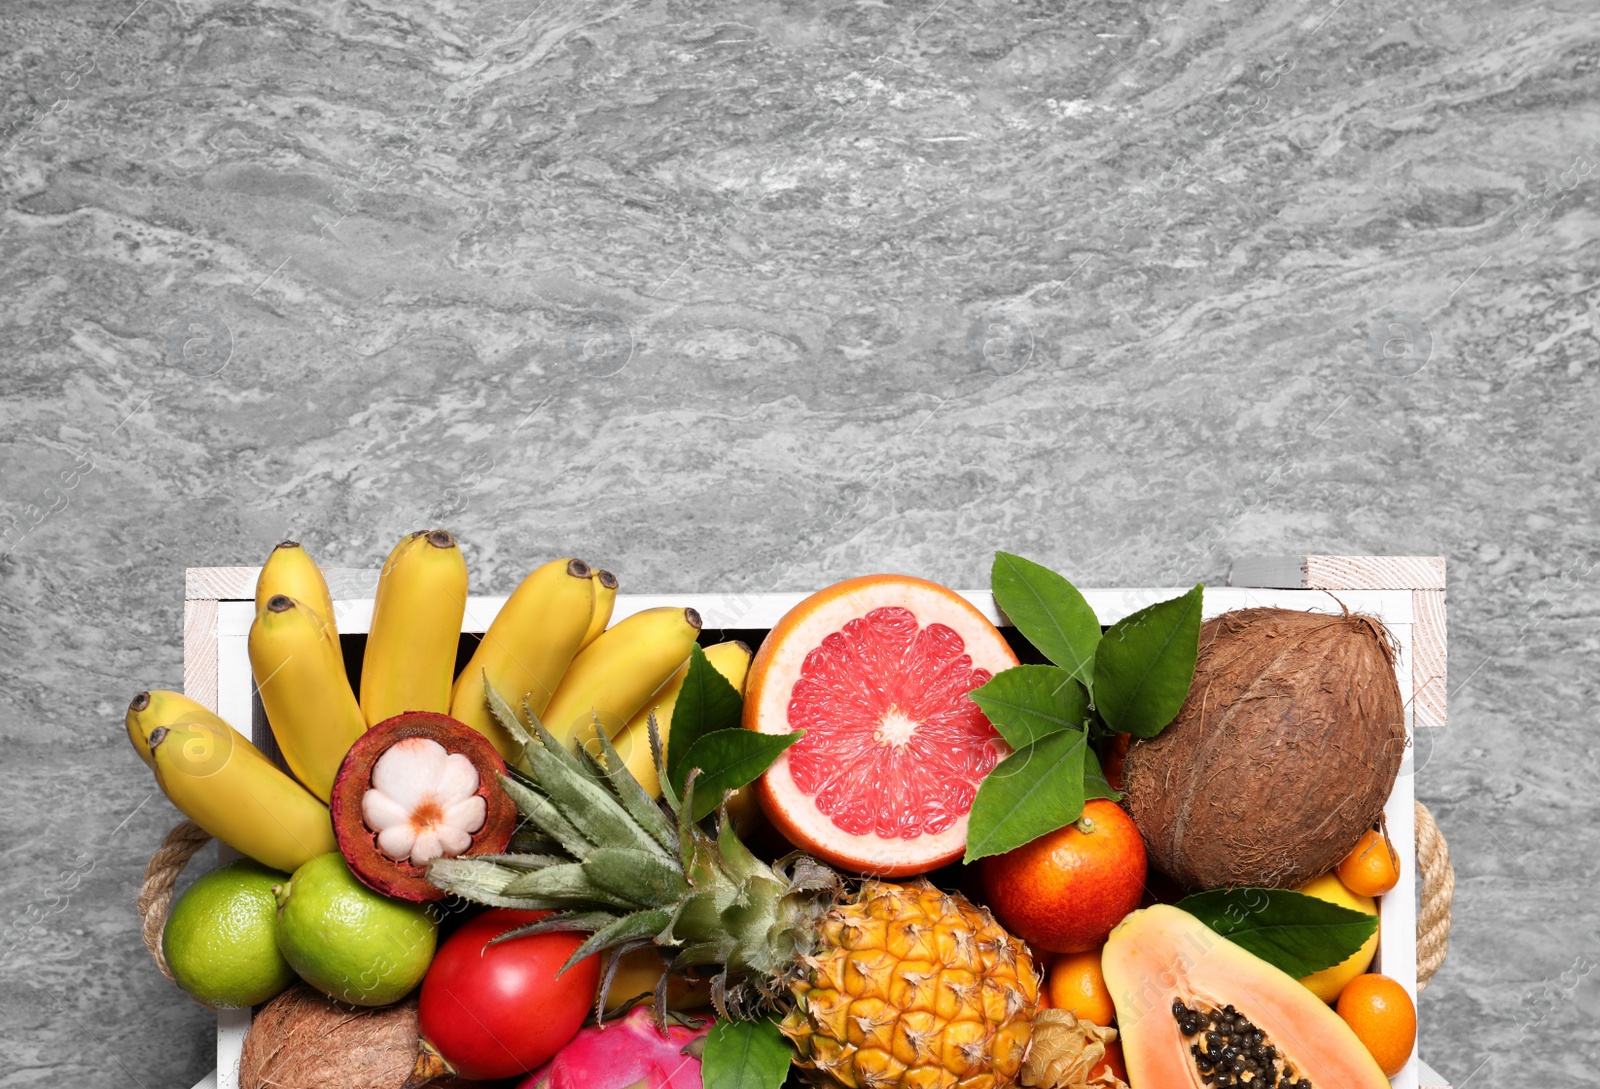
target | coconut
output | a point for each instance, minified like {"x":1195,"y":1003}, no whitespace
{"x":1281,"y":757}
{"x":303,"y":1040}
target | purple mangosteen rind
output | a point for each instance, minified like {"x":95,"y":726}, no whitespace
{"x":359,"y":843}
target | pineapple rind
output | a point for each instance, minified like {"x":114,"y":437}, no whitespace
{"x":913,"y":989}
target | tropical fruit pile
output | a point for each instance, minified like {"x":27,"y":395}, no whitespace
{"x":894,"y":848}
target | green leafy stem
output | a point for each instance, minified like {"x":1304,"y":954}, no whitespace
{"x":1131,"y":678}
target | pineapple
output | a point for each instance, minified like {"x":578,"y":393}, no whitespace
{"x":892,"y":986}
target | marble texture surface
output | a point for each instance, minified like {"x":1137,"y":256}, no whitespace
{"x":759,"y":295}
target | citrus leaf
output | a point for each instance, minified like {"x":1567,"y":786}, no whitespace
{"x":1297,"y":933}
{"x":728,"y":759}
{"x":1143,"y":666}
{"x":1035,"y":790}
{"x":745,"y":1055}
{"x":1049,"y":611}
{"x":1095,"y":783}
{"x":1026,"y":702}
{"x":706,"y":704}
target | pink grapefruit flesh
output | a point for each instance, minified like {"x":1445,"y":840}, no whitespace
{"x":877,"y":671}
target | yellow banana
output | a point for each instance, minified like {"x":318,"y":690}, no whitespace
{"x":159,"y":707}
{"x":612,"y":677}
{"x":226,"y":786}
{"x":605,"y":598}
{"x":416,"y":626}
{"x":731,"y":659}
{"x":637,"y":973}
{"x":529,"y":645}
{"x":292,"y":572}
{"x":307,"y":697}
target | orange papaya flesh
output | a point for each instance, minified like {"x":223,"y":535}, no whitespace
{"x":1184,"y":994}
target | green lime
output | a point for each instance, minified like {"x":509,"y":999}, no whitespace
{"x":219,"y":938}
{"x":351,"y":943}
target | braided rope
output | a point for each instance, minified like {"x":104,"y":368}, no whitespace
{"x":1438,"y":889}
{"x":160,"y":876}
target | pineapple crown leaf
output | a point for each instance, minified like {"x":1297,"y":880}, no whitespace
{"x":641,"y":926}
{"x":480,"y":882}
{"x":697,"y":913}
{"x":561,"y":777}
{"x":522,"y":863}
{"x":639,"y":805}
{"x":644,"y":878}
{"x":540,"y":812}
{"x":715,"y":951}
{"x":687,"y":832}
{"x":562,"y":922}
{"x":565,"y":885}
{"x":610,"y":962}
{"x":502,"y":713}
{"x":658,"y":750}
{"x":736,"y":858}
{"x":658,"y":753}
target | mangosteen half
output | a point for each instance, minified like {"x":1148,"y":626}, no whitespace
{"x":416,"y":787}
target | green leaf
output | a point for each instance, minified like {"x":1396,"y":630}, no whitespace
{"x":1033,"y":791}
{"x":745,"y":1055}
{"x":1026,"y":702}
{"x":1143,"y":666}
{"x":706,"y":704}
{"x":1095,"y":783}
{"x":1049,"y":611}
{"x":1298,"y":933}
{"x":728,"y":759}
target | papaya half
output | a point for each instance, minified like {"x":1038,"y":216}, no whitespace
{"x":1195,"y":1010}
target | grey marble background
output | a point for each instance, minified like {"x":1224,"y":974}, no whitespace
{"x":758,"y":296}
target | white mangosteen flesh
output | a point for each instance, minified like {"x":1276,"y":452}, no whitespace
{"x":423,"y":802}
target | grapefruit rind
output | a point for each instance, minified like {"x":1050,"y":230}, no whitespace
{"x":778,"y":666}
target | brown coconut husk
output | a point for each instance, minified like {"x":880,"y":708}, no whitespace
{"x":1281,"y":757}
{"x":305,"y":1040}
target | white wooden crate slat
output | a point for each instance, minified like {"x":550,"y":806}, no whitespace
{"x":718,"y":611}
{"x":220,"y":607}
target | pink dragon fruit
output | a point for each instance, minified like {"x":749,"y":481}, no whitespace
{"x":628,"y":1053}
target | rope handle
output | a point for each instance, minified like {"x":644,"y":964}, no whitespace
{"x":1433,"y":909}
{"x":160,"y":876}
{"x":1438,"y":890}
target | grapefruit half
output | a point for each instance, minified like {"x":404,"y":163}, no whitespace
{"x":877,"y":671}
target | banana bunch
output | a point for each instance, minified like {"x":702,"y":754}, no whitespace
{"x":552,"y":643}
{"x":529,"y":645}
{"x":225,"y":784}
{"x":416,"y":625}
{"x":613,"y":677}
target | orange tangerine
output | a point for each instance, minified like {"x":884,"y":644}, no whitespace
{"x":1077,"y":985}
{"x":1372,"y":869}
{"x":1383,"y":1017}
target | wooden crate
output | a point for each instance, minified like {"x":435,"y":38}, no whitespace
{"x":1406,"y":593}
